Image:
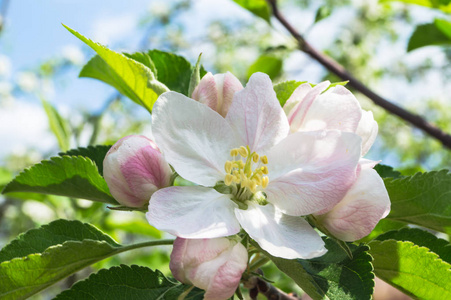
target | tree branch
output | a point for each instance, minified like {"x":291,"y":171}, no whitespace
{"x":341,"y":72}
{"x":257,"y":285}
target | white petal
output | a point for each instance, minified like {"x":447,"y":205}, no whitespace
{"x":305,"y":97}
{"x":296,"y":97}
{"x":194,"y":139}
{"x":193,"y":212}
{"x":337,"y":108}
{"x":367,"y":130}
{"x":279,"y":234}
{"x":361,"y":209}
{"x":256,"y":115}
{"x":312,"y":171}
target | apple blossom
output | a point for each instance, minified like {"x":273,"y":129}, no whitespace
{"x":361,"y":209}
{"x":134,"y":169}
{"x":264,"y":177}
{"x":215,"y":265}
{"x":310,"y":108}
{"x":216,"y":91}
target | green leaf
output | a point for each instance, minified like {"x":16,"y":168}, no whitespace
{"x":129,"y":282}
{"x":70,"y":176}
{"x":443,"y":5}
{"x":437,"y":33}
{"x":383,"y":226}
{"x":43,"y":256}
{"x":412,"y":269}
{"x":95,"y":153}
{"x":422,"y":199}
{"x":285,"y":89}
{"x":195,"y":77}
{"x":268,"y":64}
{"x":58,"y":125}
{"x":421,"y":238}
{"x":260,"y":8}
{"x":172,"y":70}
{"x":323,"y":12}
{"x":54,"y":233}
{"x":385,"y":171}
{"x":129,"y":77}
{"x":333,"y":275}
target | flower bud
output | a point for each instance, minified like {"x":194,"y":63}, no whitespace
{"x":216,"y":91}
{"x":356,"y":215}
{"x":134,"y":169}
{"x":215,"y":265}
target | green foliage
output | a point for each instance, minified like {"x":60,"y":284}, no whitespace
{"x":412,"y":269}
{"x":71,"y":176}
{"x":129,"y":77}
{"x":385,"y":171}
{"x":268,"y":64}
{"x":58,"y":125}
{"x":323,"y":12}
{"x":421,"y":238}
{"x":333,"y":275}
{"x":172,"y":70}
{"x":195,"y":77}
{"x":285,"y":89}
{"x":437,"y":33}
{"x":95,"y":153}
{"x":422,"y":199}
{"x":443,"y":5}
{"x":259,"y":8}
{"x":128,"y":282}
{"x":383,"y":226}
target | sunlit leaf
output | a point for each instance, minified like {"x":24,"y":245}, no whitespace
{"x":259,"y":8}
{"x":267,"y":64}
{"x":71,"y":176}
{"x":412,"y":269}
{"x":443,"y":5}
{"x":95,"y":153}
{"x":128,"y":76}
{"x":434,"y":34}
{"x":58,"y":125}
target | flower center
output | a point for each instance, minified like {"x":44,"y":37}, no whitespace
{"x":246,"y":170}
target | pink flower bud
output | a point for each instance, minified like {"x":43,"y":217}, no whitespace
{"x":134,"y":169}
{"x":215,"y":265}
{"x":217,"y":91}
{"x":356,"y":215}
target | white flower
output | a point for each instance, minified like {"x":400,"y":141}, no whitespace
{"x":272,"y":177}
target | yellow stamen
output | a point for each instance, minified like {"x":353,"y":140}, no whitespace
{"x":228,"y":179}
{"x":228,"y":166}
{"x":265,"y":181}
{"x":264,"y":159}
{"x":264,"y":170}
{"x":255,"y":157}
{"x":243,"y":151}
{"x":234,"y":152}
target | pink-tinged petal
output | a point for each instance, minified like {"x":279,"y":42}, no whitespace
{"x":336,"y":108}
{"x":305,"y":98}
{"x":296,"y":97}
{"x":193,"y":212}
{"x":215,"y":265}
{"x":360,"y":210}
{"x":312,"y":171}
{"x":367,"y":130}
{"x":230,"y":86}
{"x":256,"y":115}
{"x":194,"y":139}
{"x":279,"y":234}
{"x":206,"y":91}
{"x":134,"y":169}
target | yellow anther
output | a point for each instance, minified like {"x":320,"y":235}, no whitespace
{"x":255,"y":157}
{"x":264,"y":159}
{"x":228,"y":179}
{"x":265,"y":181}
{"x":264,"y":170}
{"x":243,"y":151}
{"x":236,"y":179}
{"x":257,"y":179}
{"x":228,"y":166}
{"x":252,"y":186}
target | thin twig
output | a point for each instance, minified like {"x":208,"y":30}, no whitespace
{"x":257,"y":285}
{"x":341,"y":72}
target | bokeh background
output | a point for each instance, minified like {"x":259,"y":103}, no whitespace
{"x":40,"y":61}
